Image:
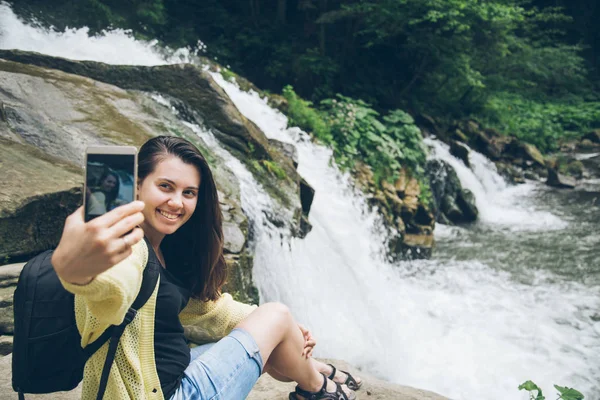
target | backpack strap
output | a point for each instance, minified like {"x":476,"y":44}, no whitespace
{"x":114,"y":332}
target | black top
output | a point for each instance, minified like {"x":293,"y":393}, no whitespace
{"x":171,"y":350}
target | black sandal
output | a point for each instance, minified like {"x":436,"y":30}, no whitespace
{"x":322,"y":394}
{"x":350,"y":381}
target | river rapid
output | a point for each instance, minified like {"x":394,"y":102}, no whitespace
{"x":512,"y":297}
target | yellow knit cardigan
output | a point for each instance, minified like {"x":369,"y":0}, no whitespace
{"x":104,"y":302}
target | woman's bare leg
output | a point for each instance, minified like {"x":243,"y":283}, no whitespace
{"x":323,"y":368}
{"x":281,"y":343}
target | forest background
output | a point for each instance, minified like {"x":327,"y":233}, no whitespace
{"x":529,"y":68}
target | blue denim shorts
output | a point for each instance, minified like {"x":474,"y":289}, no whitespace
{"x":227,"y":369}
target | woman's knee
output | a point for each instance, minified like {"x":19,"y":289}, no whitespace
{"x":279,"y":313}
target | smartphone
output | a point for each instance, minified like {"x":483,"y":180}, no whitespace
{"x":110,"y":179}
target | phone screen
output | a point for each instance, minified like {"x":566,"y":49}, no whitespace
{"x":109,"y":183}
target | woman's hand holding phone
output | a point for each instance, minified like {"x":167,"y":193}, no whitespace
{"x":88,"y":249}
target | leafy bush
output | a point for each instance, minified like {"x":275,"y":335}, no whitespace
{"x":565,"y":393}
{"x":359,"y":134}
{"x":301,"y":114}
{"x":356,"y":132}
{"x":544,"y":124}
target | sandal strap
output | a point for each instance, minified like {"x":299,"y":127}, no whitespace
{"x":333,"y":371}
{"x":312,"y":395}
{"x":339,"y":393}
{"x":350,"y":381}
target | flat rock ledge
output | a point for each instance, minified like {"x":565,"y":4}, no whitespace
{"x":266,"y":388}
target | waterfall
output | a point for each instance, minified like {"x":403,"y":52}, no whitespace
{"x":460,"y":327}
{"x":422,"y":323}
{"x":499,"y":206}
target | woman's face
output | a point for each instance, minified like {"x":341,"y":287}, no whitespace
{"x":109,"y":183}
{"x":170,"y":194}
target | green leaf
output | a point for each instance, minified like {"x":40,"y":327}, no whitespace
{"x":529,"y":385}
{"x":568,"y":393}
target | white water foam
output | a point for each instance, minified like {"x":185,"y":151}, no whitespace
{"x":461,"y":329}
{"x":112,"y":47}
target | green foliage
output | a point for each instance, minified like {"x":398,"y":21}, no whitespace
{"x":544,"y":124}
{"x":228,"y":74}
{"x":270,"y":166}
{"x":356,"y":132}
{"x":386,"y":144}
{"x":301,"y":114}
{"x":274,"y":169}
{"x":426,"y":196}
{"x":449,"y":59}
{"x":565,"y":393}
{"x":568,"y":393}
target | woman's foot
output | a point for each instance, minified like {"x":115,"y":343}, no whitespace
{"x":341,"y":377}
{"x":329,"y":390}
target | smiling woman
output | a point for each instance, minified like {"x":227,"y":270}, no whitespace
{"x":181,"y":221}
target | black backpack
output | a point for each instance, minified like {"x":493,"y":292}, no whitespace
{"x":47,"y":354}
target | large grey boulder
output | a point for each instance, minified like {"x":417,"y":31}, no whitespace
{"x":48,"y":118}
{"x":559,"y":180}
{"x":265,"y":388}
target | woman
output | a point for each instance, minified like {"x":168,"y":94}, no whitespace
{"x":102,"y":261}
{"x":104,"y":198}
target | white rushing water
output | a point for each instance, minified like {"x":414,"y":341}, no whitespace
{"x":498,"y":204}
{"x":462,"y":329}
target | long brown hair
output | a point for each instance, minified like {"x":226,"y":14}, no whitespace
{"x":194,"y":253}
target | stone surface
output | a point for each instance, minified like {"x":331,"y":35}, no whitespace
{"x":526,"y":152}
{"x":307,"y":195}
{"x":559,"y":180}
{"x":451,"y":203}
{"x":265,"y":388}
{"x":6,"y":345}
{"x":593,"y":136}
{"x":460,"y":151}
{"x":200,"y":92}
{"x":234,"y":238}
{"x":287,"y":149}
{"x":49,"y":118}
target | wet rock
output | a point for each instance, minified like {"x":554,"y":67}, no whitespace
{"x":466,"y":203}
{"x":200,"y":92}
{"x":593,"y":136}
{"x":279,"y":102}
{"x":450,"y":202}
{"x":531,"y":175}
{"x":6,"y":345}
{"x":510,"y":172}
{"x":459,"y":135}
{"x":587,"y":145}
{"x":483,"y":144}
{"x":460,"y":151}
{"x":559,"y":180}
{"x":427,"y":124}
{"x":287,"y":149}
{"x":526,"y":153}
{"x":450,"y":209}
{"x":307,"y":195}
{"x":592,"y":165}
{"x":234,"y":238}
{"x":36,"y":195}
{"x":417,"y":246}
